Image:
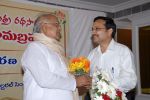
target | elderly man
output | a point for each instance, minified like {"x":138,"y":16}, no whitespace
{"x":44,"y":64}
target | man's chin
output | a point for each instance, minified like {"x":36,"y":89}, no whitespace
{"x":95,"y":40}
{"x":95,"y":45}
{"x":58,"y":38}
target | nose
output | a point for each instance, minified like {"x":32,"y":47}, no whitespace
{"x":59,"y":27}
{"x":93,"y":32}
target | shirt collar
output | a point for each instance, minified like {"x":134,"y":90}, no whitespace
{"x":111,"y":46}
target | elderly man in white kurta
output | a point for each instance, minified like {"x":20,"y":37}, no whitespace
{"x":115,"y":58}
{"x":45,"y":66}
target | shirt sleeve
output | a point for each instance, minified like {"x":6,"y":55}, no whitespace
{"x":127,"y":77}
{"x":34,"y":60}
{"x":91,"y":67}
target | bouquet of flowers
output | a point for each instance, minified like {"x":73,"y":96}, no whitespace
{"x":103,"y":89}
{"x":79,"y":66}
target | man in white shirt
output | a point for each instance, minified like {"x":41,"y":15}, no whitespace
{"x":45,"y":67}
{"x":115,"y":58}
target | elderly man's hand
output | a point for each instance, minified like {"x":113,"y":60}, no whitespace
{"x":82,"y":90}
{"x":83,"y":84}
{"x":83,"y":81}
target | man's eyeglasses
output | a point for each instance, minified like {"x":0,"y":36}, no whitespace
{"x":97,"y":29}
{"x":56,"y":24}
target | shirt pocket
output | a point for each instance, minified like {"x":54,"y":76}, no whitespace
{"x":115,"y":67}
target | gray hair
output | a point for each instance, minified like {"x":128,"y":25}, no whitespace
{"x":38,"y":21}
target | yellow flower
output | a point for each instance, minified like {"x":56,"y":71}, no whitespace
{"x":79,"y":66}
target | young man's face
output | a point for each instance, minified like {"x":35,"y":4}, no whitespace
{"x":99,"y":32}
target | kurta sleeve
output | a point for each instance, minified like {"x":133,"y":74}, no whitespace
{"x":35,"y":61}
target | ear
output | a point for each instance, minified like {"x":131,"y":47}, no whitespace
{"x":43,"y":28}
{"x":110,"y":31}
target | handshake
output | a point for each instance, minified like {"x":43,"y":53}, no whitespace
{"x":83,"y":83}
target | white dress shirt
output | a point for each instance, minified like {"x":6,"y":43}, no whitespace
{"x":45,"y":75}
{"x":118,"y":62}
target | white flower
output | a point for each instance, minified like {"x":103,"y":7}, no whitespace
{"x":105,"y":75}
{"x":95,"y":79}
{"x":124,"y":96}
{"x":98,"y":98}
{"x":96,"y":73}
{"x":114,"y":85}
{"x":102,"y":86}
{"x":111,"y":92}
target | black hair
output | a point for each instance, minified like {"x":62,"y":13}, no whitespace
{"x":109,"y":23}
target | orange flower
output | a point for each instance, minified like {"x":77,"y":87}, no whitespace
{"x":75,"y":60}
{"x":79,"y":66}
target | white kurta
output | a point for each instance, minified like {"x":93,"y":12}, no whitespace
{"x":118,"y":62}
{"x":45,"y":75}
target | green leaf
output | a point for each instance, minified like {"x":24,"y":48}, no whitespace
{"x":99,"y":76}
{"x":79,"y":72}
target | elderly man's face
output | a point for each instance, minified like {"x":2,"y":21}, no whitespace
{"x":51,"y":28}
